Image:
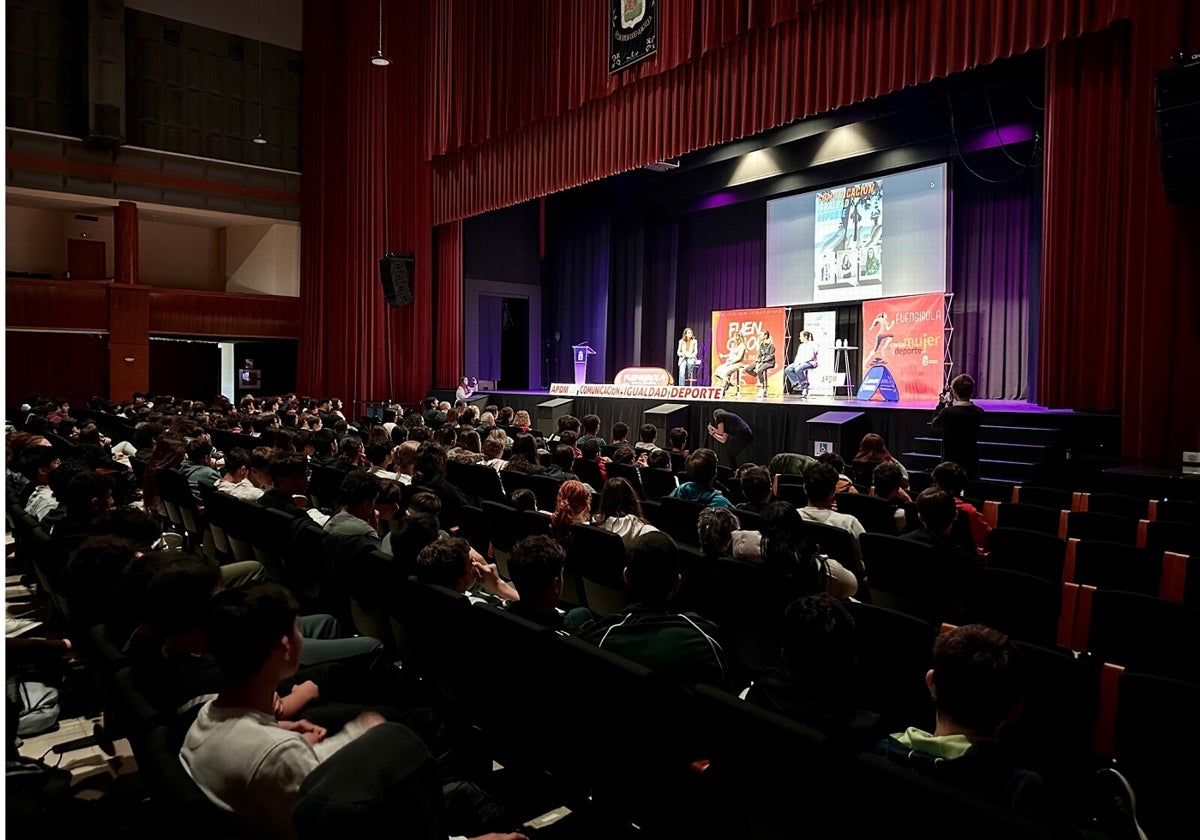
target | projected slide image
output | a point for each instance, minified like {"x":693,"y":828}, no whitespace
{"x":828,"y":245}
{"x":848,"y":235}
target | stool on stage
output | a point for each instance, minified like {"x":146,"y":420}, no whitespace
{"x":841,"y":365}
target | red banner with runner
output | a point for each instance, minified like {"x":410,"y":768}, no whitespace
{"x":739,"y":334}
{"x":903,"y":348}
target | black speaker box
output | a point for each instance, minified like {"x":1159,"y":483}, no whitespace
{"x":395,"y":272}
{"x":1177,"y":125}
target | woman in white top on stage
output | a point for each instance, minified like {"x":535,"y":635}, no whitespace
{"x":687,"y":351}
{"x":732,"y":364}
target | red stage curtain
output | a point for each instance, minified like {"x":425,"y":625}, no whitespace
{"x":739,"y":79}
{"x":449,"y":347}
{"x":365,"y":192}
{"x":1118,"y":293}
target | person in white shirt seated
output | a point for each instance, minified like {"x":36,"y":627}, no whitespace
{"x":621,"y":512}
{"x":381,"y":453}
{"x":236,"y":478}
{"x":820,"y":485}
{"x":243,"y":759}
{"x":36,"y":463}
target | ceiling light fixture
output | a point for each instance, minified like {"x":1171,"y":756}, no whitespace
{"x":379,"y":59}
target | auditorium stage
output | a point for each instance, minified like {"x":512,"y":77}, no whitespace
{"x":781,"y":423}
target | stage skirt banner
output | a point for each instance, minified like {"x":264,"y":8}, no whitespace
{"x":903,"y":348}
{"x":655,"y":392}
{"x":643,"y":376}
{"x":750,"y":325}
{"x":821,"y":379}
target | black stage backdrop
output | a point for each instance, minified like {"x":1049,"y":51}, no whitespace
{"x":630,"y":284}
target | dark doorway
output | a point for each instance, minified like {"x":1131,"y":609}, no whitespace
{"x":87,"y":259}
{"x":514,"y":344}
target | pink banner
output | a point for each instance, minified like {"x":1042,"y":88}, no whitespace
{"x":906,"y":337}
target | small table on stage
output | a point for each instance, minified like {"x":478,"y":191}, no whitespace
{"x":841,"y":364}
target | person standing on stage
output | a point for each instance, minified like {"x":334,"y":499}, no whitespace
{"x":686,"y":351}
{"x":732,"y":366}
{"x":959,"y":420}
{"x":796,"y":373}
{"x":731,"y":430}
{"x":464,"y":391}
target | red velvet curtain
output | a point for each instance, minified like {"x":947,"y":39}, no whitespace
{"x":449,"y":344}
{"x":741,"y":76}
{"x":1119,"y":293}
{"x":365,"y":192}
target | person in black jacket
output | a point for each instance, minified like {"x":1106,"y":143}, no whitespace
{"x":959,"y":420}
{"x":764,"y":363}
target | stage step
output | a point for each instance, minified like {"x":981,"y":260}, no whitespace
{"x":990,"y":448}
{"x":1028,"y":435}
{"x":992,"y":469}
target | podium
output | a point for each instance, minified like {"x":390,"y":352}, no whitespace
{"x":549,"y":411}
{"x":580,"y":353}
{"x":664,"y":417}
{"x":836,"y":431}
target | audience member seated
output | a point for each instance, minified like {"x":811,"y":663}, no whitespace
{"x":659,"y":459}
{"x":562,"y":465}
{"x":198,"y":467}
{"x":816,"y":684}
{"x":589,"y":450}
{"x":845,"y":483}
{"x":647,"y":435}
{"x":289,"y":479}
{"x":242,"y":758}
{"x":493,"y":450}
{"x":430,"y":474}
{"x":406,"y":459}
{"x":621,"y":511}
{"x":702,"y":478}
{"x":756,"y":487}
{"x":717,"y":529}
{"x":35,"y":465}
{"x":524,"y":499}
{"x":794,"y":560}
{"x":591,"y":431}
{"x":88,"y":495}
{"x":357,"y":516}
{"x":236,"y":478}
{"x":379,"y":454}
{"x":467,"y":448}
{"x":524,"y":456}
{"x":952,"y":478}
{"x":680,"y":645}
{"x":871,"y":453}
{"x":620,"y":434}
{"x":678,"y":438}
{"x":325,"y":448}
{"x":574,"y":505}
{"x":536,"y":566}
{"x":452,"y":563}
{"x":625,"y":454}
{"x":820,"y":485}
{"x":885,"y":484}
{"x":937,"y":512}
{"x":168,"y":454}
{"x":977,"y":682}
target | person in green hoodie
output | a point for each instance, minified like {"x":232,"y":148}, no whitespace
{"x":977,"y":683}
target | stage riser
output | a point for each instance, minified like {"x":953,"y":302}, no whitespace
{"x":993,"y":450}
{"x":1027,"y":435}
{"x":781,"y":426}
{"x":999,"y":470}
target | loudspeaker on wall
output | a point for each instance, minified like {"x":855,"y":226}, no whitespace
{"x":395,"y":273}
